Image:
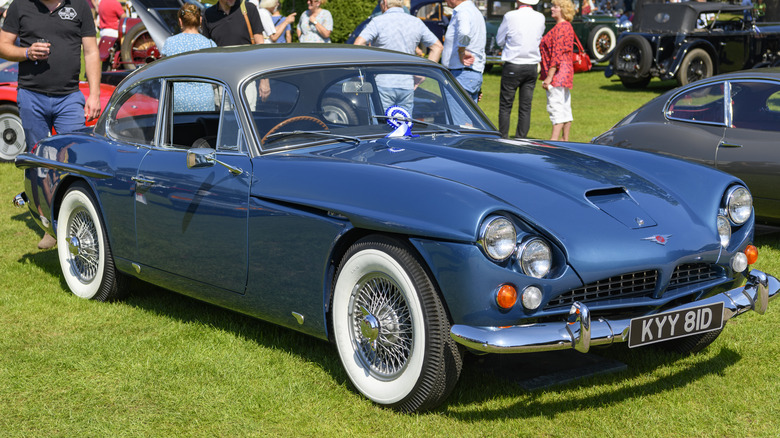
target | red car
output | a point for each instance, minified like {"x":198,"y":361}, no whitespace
{"x":12,"y":142}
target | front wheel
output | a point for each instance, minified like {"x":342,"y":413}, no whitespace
{"x":696,"y":65}
{"x":83,"y":249}
{"x":391,"y":329}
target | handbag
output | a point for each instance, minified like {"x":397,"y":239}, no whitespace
{"x":580,"y":58}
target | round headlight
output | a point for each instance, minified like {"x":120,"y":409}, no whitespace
{"x":739,"y":204}
{"x":724,"y":231}
{"x":498,"y":238}
{"x":535,"y":258}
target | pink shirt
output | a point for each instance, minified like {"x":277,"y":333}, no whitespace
{"x":109,"y":12}
{"x":557,"y":49}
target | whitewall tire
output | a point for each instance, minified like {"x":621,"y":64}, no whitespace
{"x":391,"y":329}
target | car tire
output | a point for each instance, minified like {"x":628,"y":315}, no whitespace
{"x":690,"y":344}
{"x":338,"y":111}
{"x":696,"y":65}
{"x":12,"y":141}
{"x":137,"y":39}
{"x":601,"y":42}
{"x":83,"y":250}
{"x":391,"y":329}
{"x":633,"y":57}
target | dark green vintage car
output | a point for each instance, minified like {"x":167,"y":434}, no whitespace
{"x":597,"y":32}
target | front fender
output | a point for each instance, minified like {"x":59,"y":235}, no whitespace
{"x":683,"y":51}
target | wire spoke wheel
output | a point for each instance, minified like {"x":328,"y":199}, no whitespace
{"x":83,"y":245}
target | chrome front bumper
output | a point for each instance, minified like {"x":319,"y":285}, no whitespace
{"x":580,"y":333}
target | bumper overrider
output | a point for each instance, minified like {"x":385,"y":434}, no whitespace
{"x":580,"y":332}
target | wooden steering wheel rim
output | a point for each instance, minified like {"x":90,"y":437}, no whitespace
{"x":292,"y":120}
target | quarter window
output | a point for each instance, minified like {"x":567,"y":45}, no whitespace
{"x":134,"y":117}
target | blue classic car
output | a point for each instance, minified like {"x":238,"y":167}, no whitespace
{"x":359,"y":196}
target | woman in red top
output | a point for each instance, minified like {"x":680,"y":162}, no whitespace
{"x":557,"y":69}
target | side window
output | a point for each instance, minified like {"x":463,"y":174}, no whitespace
{"x":755,"y":105}
{"x":702,"y":105}
{"x":134,"y":118}
{"x":193,"y":115}
{"x":230,"y":133}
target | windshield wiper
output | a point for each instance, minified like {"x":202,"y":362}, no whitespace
{"x":278,"y":135}
{"x":422,"y":122}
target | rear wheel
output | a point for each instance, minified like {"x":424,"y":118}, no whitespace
{"x":632,"y":60}
{"x":11,"y":133}
{"x":83,"y":249}
{"x":391,"y":329}
{"x":137,"y":46}
{"x":601,"y":42}
{"x":696,"y":65}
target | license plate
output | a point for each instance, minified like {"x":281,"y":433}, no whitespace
{"x":677,"y":324}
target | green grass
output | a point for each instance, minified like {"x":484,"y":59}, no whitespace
{"x":160,"y":364}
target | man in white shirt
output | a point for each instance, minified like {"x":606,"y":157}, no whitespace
{"x":464,"y":46}
{"x":519,"y":35}
{"x":265,"y":18}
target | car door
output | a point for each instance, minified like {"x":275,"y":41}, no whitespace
{"x":696,"y":122}
{"x":191,"y":215}
{"x":750,"y":147}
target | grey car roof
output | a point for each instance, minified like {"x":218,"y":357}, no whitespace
{"x":233,"y":64}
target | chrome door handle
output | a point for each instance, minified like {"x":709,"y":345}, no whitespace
{"x":724,"y":144}
{"x":143,"y":181}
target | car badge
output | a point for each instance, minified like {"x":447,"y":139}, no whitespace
{"x":640,"y":221}
{"x":659,"y":239}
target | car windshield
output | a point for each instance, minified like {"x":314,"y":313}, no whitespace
{"x":367,"y":102}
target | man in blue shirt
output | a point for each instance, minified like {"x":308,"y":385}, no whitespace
{"x":464,"y":46}
{"x":399,"y":31}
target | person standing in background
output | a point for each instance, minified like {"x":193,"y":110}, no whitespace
{"x":464,"y":46}
{"x":52,"y":35}
{"x":383,"y":32}
{"x":229,"y":23}
{"x":519,"y":35}
{"x":557,"y":48}
{"x":110,"y":13}
{"x":316,"y":23}
{"x":282,"y":25}
{"x":759,"y":10}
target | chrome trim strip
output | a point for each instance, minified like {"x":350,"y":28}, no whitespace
{"x":580,"y":333}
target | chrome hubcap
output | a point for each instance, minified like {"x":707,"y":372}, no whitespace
{"x":381,"y":326}
{"x":83,"y":245}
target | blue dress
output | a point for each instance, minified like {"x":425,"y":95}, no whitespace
{"x":190,"y":97}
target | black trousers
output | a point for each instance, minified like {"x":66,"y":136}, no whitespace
{"x":514,"y":76}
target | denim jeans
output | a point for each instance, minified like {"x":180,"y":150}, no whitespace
{"x":470,"y":80}
{"x":41,"y":113}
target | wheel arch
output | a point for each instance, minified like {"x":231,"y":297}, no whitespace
{"x":683,"y":51}
{"x":66,"y":183}
{"x":340,"y":249}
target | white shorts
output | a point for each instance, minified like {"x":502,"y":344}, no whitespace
{"x":559,"y":105}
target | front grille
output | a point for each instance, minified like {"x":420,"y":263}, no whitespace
{"x":692,"y":273}
{"x":636,"y":284}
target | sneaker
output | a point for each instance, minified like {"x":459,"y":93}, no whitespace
{"x":47,"y":242}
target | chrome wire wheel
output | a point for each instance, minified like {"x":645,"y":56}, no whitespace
{"x":83,"y":245}
{"x":381,"y":326}
{"x":390,"y":327}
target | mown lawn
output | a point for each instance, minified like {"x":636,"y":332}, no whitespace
{"x":161,"y":364}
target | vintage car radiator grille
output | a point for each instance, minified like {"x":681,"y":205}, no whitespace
{"x":635,"y":284}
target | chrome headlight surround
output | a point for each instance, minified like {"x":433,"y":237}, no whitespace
{"x":498,"y":238}
{"x":535,"y":257}
{"x":724,"y":231}
{"x":739,"y":204}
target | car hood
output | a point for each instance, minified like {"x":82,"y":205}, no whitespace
{"x":576,"y":195}
{"x":159,"y":17}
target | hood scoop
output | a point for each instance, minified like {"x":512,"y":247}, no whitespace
{"x":616,"y":202}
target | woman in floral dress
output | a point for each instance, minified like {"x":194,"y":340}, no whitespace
{"x":557,"y":72}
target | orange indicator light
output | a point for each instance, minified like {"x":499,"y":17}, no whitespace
{"x":507,"y":296}
{"x":752,"y":254}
